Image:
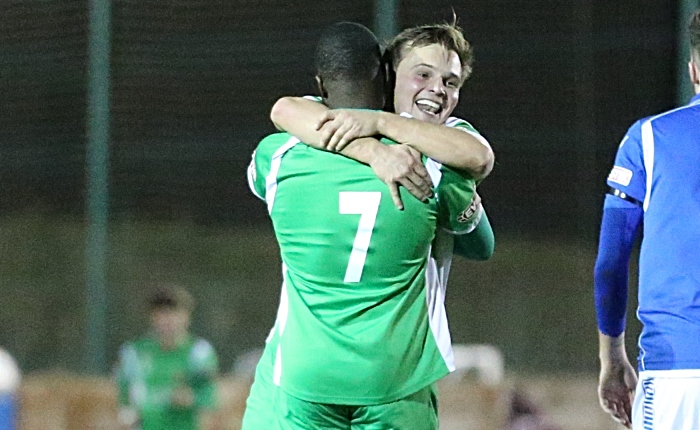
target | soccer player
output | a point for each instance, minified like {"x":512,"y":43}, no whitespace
{"x":395,"y":164}
{"x":655,"y":182}
{"x":430,"y":64}
{"x":166,"y":380}
{"x":359,"y":339}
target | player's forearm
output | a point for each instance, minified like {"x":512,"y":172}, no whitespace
{"x":364,"y":150}
{"x":447,"y":145}
{"x":610,"y":274}
{"x":610,"y":293}
{"x":295,"y":115}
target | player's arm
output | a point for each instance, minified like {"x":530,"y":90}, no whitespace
{"x":204,"y":368}
{"x":461,"y":214}
{"x":128,"y":416}
{"x":478,"y":244}
{"x":622,"y":217}
{"x":617,"y":377}
{"x":393,"y":164}
{"x":475,"y":240}
{"x":298,"y":116}
{"x":263,"y":157}
{"x":451,"y":145}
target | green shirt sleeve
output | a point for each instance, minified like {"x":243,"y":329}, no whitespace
{"x":262,"y":162}
{"x":455,"y":193}
{"x":465,"y":126}
{"x":458,"y":215}
{"x":478,"y":244}
{"x":126,"y":366}
{"x":203,"y":371}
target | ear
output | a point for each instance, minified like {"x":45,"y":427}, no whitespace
{"x":694,"y":72}
{"x":321,"y":88}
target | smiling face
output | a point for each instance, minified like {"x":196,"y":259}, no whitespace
{"x":428,"y":80}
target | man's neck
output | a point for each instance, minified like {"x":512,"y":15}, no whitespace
{"x":353,"y":98}
{"x":168,"y":343}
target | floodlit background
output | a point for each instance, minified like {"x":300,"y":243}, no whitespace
{"x":191,"y":82}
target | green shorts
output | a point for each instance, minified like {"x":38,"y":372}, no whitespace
{"x":415,"y":412}
{"x":270,"y":408}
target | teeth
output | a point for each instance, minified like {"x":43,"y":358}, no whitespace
{"x":428,"y":103}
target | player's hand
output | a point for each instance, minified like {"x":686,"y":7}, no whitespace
{"x":401,"y":165}
{"x":182,"y":397}
{"x":616,"y":385}
{"x":339,"y":127}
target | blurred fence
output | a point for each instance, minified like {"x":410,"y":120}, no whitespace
{"x":533,"y":299}
{"x":67,"y":402}
{"x":556,"y":84}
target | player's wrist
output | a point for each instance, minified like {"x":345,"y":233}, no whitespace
{"x":612,"y":349}
{"x":375,"y":150}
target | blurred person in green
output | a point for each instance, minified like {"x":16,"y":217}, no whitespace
{"x":166,"y":379}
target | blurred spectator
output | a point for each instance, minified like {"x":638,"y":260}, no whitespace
{"x":166,"y":379}
{"x":9,"y":383}
{"x":525,"y":415}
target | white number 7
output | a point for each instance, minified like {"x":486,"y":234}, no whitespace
{"x":365,"y":203}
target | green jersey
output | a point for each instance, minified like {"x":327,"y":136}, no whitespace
{"x":148,"y":376}
{"x":443,"y":246}
{"x":356,"y":324}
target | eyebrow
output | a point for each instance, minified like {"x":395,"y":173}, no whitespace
{"x":451,"y":75}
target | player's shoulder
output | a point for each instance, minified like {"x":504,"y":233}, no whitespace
{"x":443,"y":175}
{"x":460,"y":123}
{"x":634,"y":132}
{"x":275,"y":139}
{"x":682,"y":115}
{"x":137,"y":346}
{"x":452,"y":175}
{"x":273,"y":142}
{"x":200,"y":345}
{"x":128,"y":348}
{"x":202,"y":355}
{"x":669,"y":115}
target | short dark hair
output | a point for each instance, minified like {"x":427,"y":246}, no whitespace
{"x":450,"y":36}
{"x":347,"y":51}
{"x":169,"y":296}
{"x":694,"y":32}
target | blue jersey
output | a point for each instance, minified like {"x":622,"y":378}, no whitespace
{"x":658,"y":164}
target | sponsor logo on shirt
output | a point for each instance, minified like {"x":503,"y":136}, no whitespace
{"x":465,"y":215}
{"x":620,"y":175}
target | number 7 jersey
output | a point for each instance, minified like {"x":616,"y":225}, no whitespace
{"x":356,"y":324}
